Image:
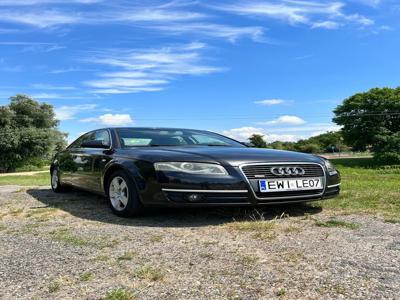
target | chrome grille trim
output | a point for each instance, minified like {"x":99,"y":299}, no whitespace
{"x":264,"y":171}
{"x":204,"y":191}
{"x":268,"y":165}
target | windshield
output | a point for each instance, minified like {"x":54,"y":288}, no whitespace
{"x":131,"y":137}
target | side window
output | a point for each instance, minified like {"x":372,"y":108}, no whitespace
{"x":78,"y":142}
{"x":102,"y":135}
{"x":87,"y":137}
{"x":99,"y":135}
{"x":207,"y":140}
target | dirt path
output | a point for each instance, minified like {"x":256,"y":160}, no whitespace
{"x":70,"y":246}
{"x":23,"y":173}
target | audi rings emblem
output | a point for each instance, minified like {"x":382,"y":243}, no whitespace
{"x":287,"y":171}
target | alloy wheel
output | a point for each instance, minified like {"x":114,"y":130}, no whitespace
{"x":119,"y":193}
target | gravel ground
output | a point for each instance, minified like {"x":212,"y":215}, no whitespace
{"x":70,"y":246}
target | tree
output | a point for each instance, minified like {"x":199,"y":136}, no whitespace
{"x":28,"y":131}
{"x":330,"y":141}
{"x":258,"y":141}
{"x":371,"y":120}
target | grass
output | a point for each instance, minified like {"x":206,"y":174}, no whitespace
{"x":55,"y":285}
{"x":150,"y":273}
{"x":127,"y":256}
{"x":281,"y":292}
{"x":367,"y":188}
{"x":156,"y":238}
{"x":259,"y":225}
{"x":41,"y":179}
{"x":65,"y":236}
{"x":392,"y":221}
{"x":261,"y":229}
{"x":120,"y":294}
{"x":248,"y":260}
{"x":337,"y":223}
{"x":86,"y":276}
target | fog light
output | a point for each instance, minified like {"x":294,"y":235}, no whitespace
{"x":194,"y":197}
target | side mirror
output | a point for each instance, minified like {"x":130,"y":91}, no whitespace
{"x":95,"y":144}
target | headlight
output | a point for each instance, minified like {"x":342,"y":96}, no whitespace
{"x":331,"y":168}
{"x":191,"y":168}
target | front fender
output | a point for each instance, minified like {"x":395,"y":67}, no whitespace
{"x":138,"y":170}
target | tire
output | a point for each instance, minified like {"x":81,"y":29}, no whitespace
{"x":123,"y":196}
{"x":56,"y":186}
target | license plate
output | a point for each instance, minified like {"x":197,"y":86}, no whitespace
{"x":286,"y":185}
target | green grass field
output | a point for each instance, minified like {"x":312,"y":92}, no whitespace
{"x":31,"y":180}
{"x":366,"y":187}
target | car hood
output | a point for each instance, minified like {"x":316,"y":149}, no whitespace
{"x":223,"y":155}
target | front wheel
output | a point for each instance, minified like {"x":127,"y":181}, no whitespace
{"x":124,"y":200}
{"x":55,"y":181}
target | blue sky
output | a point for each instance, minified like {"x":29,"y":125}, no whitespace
{"x":276,"y":68}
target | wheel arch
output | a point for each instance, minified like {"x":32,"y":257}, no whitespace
{"x":130,"y":169}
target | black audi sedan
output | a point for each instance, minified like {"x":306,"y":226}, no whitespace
{"x":142,"y":167}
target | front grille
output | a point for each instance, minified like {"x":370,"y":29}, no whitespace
{"x":264,"y":171}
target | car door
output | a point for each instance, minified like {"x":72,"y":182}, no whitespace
{"x":80,"y":162}
{"x":98,"y":157}
{"x":66,"y":163}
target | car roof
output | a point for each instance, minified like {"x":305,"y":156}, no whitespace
{"x":152,"y":128}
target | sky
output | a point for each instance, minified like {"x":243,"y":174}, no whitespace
{"x":276,"y":68}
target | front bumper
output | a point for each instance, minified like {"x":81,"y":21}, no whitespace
{"x":235,"y":189}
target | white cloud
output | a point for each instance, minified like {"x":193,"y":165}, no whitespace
{"x":243,"y":134}
{"x":284,"y":120}
{"x":66,"y":70}
{"x":314,"y":127}
{"x":170,"y":19}
{"x":269,"y":102}
{"x":40,"y":19}
{"x":69,"y":112}
{"x":230,"y":33}
{"x":44,"y":95}
{"x":40,"y":2}
{"x":324,"y":14}
{"x":326,"y":25}
{"x":111,"y":120}
{"x":124,"y":83}
{"x":291,"y":11}
{"x":32,"y":46}
{"x":284,"y":134}
{"x":373,"y":3}
{"x":138,"y":70}
{"x":106,"y":14}
{"x":360,"y":19}
{"x":45,"y":86}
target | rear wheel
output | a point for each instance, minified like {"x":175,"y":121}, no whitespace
{"x":124,"y":200}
